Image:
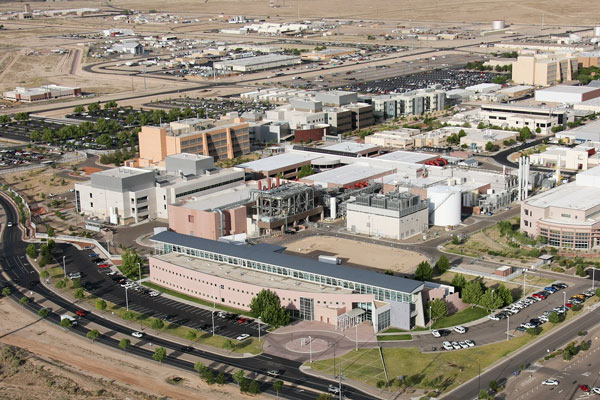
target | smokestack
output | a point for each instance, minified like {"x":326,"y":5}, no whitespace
{"x":269,"y":181}
{"x":277,"y":180}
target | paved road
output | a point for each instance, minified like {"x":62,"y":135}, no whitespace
{"x":15,"y":265}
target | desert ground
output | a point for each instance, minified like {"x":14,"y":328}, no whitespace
{"x":59,"y":365}
{"x":356,"y":253}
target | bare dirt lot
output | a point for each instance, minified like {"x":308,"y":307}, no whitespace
{"x":54,"y":364}
{"x":357,"y":253}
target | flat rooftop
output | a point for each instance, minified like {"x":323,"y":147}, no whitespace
{"x":189,"y":156}
{"x":404,"y":180}
{"x":123,"y":172}
{"x":258,"y":60}
{"x":515,"y":89}
{"x":279,"y":161}
{"x":568,"y":89}
{"x":410,"y":157}
{"x":245,"y":275}
{"x":271,"y":254}
{"x":351,"y":147}
{"x":348,"y":174}
{"x":220,"y":199}
{"x":570,"y":196}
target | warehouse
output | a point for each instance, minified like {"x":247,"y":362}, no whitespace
{"x":41,"y":93}
{"x":567,"y":94}
{"x":232,"y":275}
{"x":258,"y":63}
{"x":347,"y":175}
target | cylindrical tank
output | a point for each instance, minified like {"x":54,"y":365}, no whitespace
{"x":444,"y":205}
{"x":498,"y":24}
{"x":597,"y":31}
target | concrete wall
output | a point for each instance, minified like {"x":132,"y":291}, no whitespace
{"x":152,"y":143}
{"x":385,"y":223}
{"x":207,"y":224}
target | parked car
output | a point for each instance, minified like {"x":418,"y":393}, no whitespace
{"x":463,"y":345}
{"x":274,"y":373}
{"x":447,"y":346}
{"x":243,"y":336}
{"x":93,"y":255}
{"x":75,"y":275}
{"x":494,"y":317}
{"x":596,"y":390}
{"x":435,"y":333}
{"x":154,"y":294}
{"x":456,"y":346}
{"x":550,"y":382}
{"x":460,"y":329}
{"x":470,"y":343}
{"x":333,"y":389}
{"x":550,"y":289}
{"x":584,"y":388}
{"x":104,"y":266}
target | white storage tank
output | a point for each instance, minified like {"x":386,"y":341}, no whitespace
{"x":597,"y":31}
{"x":498,"y":24}
{"x":444,"y":205}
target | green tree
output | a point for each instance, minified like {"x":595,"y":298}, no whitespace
{"x":267,"y":306}
{"x":244,"y":385}
{"x":494,"y":385}
{"x":306,"y":170}
{"x":489,"y":146}
{"x":439,"y":309}
{"x":228,"y":345}
{"x":66,"y":323}
{"x":43,"y":312}
{"x":32,"y":251}
{"x":79,"y":294}
{"x":6,"y":292}
{"x":598,"y":292}
{"x":51,"y":232}
{"x":157,"y":324}
{"x":504,"y":293}
{"x":490,"y":300}
{"x":23,"y":300}
{"x":35,"y":136}
{"x":254,"y":387}
{"x":443,"y":264}
{"x":277,"y":385}
{"x":101,"y":304}
{"x":93,"y":108}
{"x":483,"y":395}
{"x":459,"y":282}
{"x":472,"y":292}
{"x":424,"y":271}
{"x":129,"y":266}
{"x":580,"y":270}
{"x":93,"y":335}
{"x":220,"y":378}
{"x":200,"y":367}
{"x":104,"y":140}
{"x":78,"y":110}
{"x":238,"y":376}
{"x":124,"y":343}
{"x":209,"y":376}
{"x":556,"y":318}
{"x":190,"y":335}
{"x":159,"y":354}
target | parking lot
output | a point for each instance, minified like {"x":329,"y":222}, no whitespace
{"x":212,"y":108}
{"x":194,"y":316}
{"x":21,"y":130}
{"x":10,"y":158}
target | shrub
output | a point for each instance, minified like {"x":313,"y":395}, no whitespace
{"x":157,"y":324}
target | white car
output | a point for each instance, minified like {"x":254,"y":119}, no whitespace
{"x":456,"y":346}
{"x":460,"y":329}
{"x":550,"y":382}
{"x":596,"y":390}
{"x":463,"y":345}
{"x":493,"y":317}
{"x":436,"y":333}
{"x":470,"y":343}
{"x":154,"y":294}
{"x":137,"y":334}
{"x":243,"y":336}
{"x":447,"y":346}
{"x":9,"y":224}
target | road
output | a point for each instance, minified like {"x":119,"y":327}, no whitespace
{"x":15,"y":266}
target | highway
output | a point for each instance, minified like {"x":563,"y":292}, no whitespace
{"x":15,"y":266}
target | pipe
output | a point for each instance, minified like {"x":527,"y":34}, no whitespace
{"x":221,"y":227}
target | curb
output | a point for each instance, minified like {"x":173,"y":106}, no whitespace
{"x":309,"y":371}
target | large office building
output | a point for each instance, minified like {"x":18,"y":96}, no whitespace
{"x":232,"y":275}
{"x":567,"y":216}
{"x":224,"y":139}
{"x":544,"y":69}
{"x":416,"y":102}
{"x":126,"y":195}
{"x":394,"y":215}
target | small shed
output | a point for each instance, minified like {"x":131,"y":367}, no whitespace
{"x":546,"y":259}
{"x":505,"y":270}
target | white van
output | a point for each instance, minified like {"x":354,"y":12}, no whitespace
{"x":70,"y":318}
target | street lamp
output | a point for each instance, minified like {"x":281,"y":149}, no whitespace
{"x":64,"y":267}
{"x":593,"y":277}
{"x":258,"y":329}
{"x":126,"y":299}
{"x":213,"y":312}
{"x":430,"y":324}
{"x":507,"y":326}
{"x":356,"y":337}
{"x":140,"y":271}
{"x":310,"y":348}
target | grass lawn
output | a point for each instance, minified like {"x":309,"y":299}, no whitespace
{"x":196,"y":300}
{"x":461,"y":317}
{"x":393,"y":330}
{"x":363,"y":365}
{"x":394,"y":337}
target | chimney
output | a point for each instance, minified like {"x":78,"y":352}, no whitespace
{"x":269,"y":182}
{"x":277,"y":180}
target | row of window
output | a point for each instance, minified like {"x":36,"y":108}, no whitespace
{"x":380,"y":293}
{"x":215,"y":298}
{"x":190,"y":192}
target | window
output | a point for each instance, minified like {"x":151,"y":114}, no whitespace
{"x":91,"y":205}
{"x":191,"y":219}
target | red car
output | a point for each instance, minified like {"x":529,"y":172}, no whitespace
{"x":585,"y":388}
{"x":104,"y":266}
{"x":242,"y":320}
{"x":81,"y":313}
{"x":569,"y":304}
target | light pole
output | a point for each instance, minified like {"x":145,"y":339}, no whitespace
{"x":507,"y":326}
{"x":258,"y":329}
{"x":565,"y":298}
{"x":593,"y":277}
{"x":140,"y":271}
{"x":64,"y":267}
{"x":310,"y":348}
{"x":126,"y":300}
{"x":524,"y":283}
{"x":356,"y":337}
{"x":213,"y":312}
{"x":430,"y":324}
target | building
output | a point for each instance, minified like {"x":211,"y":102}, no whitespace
{"x":544,"y":69}
{"x":398,"y":139}
{"x":578,"y":158}
{"x":46,"y":92}
{"x":589,"y":132}
{"x":223,"y":139}
{"x":516,"y":92}
{"x":360,"y":149}
{"x":118,"y":32}
{"x":395,"y":215}
{"x":346,"y":176}
{"x":341,"y":296}
{"x":479,"y":138}
{"x":258,"y":63}
{"x":588,"y":59}
{"x":566,"y":94}
{"x":126,"y":195}
{"x":133,"y":48}
{"x":566,"y":216}
{"x":326,"y":54}
{"x":286,"y":165}
{"x":416,"y":102}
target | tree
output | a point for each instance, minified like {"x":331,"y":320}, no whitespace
{"x":93,"y":335}
{"x":159,"y":354}
{"x":459,"y":281}
{"x":489,"y":146}
{"x":101,"y":304}
{"x":254,"y":387}
{"x":129,"y":266}
{"x":277,"y":385}
{"x":228,"y":345}
{"x":472,"y":292}
{"x":220,"y":378}
{"x":23,"y":300}
{"x":439,"y":309}
{"x":43,"y":312}
{"x":581,"y":270}
{"x":209,"y":376}
{"x":490,"y":300}
{"x":104,"y":140}
{"x":238,"y":376}
{"x":190,"y":335}
{"x":157,"y":324}
{"x":443,"y":264}
{"x":66,"y":323}
{"x":35,"y":136}
{"x":244,"y":385}
{"x":598,"y":292}
{"x":483,"y":395}
{"x":32,"y":251}
{"x":504,"y":293}
{"x":6,"y":292}
{"x":93,"y":108}
{"x":78,"y":110}
{"x":556,"y":318}
{"x":306,"y":170}
{"x":424,"y":271}
{"x":79,"y":294}
{"x":51,"y":232}
{"x":200,"y":367}
{"x":267,"y":306}
{"x":494,"y":385}
{"x":124,"y":343}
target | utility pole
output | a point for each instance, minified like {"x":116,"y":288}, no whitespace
{"x":259,"y":329}
{"x":524,"y":283}
{"x":593,"y":277}
{"x":213,"y":312}
{"x":430,"y":324}
{"x":140,"y":271}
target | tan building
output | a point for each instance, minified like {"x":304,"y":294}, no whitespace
{"x":544,"y":69}
{"x":588,"y":59}
{"x":220,"y":139}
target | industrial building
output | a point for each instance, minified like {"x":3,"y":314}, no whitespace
{"x":223,"y":139}
{"x":346,"y":176}
{"x":567,"y":215}
{"x":126,"y":195}
{"x":578,"y":158}
{"x":394,"y":215}
{"x":257,"y":63}
{"x":566,"y":94}
{"x":544,"y":69}
{"x":589,"y":132}
{"x":479,"y":138}
{"x":398,"y":139}
{"x":46,"y":92}
{"x":133,"y":48}
{"x":231,"y":275}
{"x":287,"y":165}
